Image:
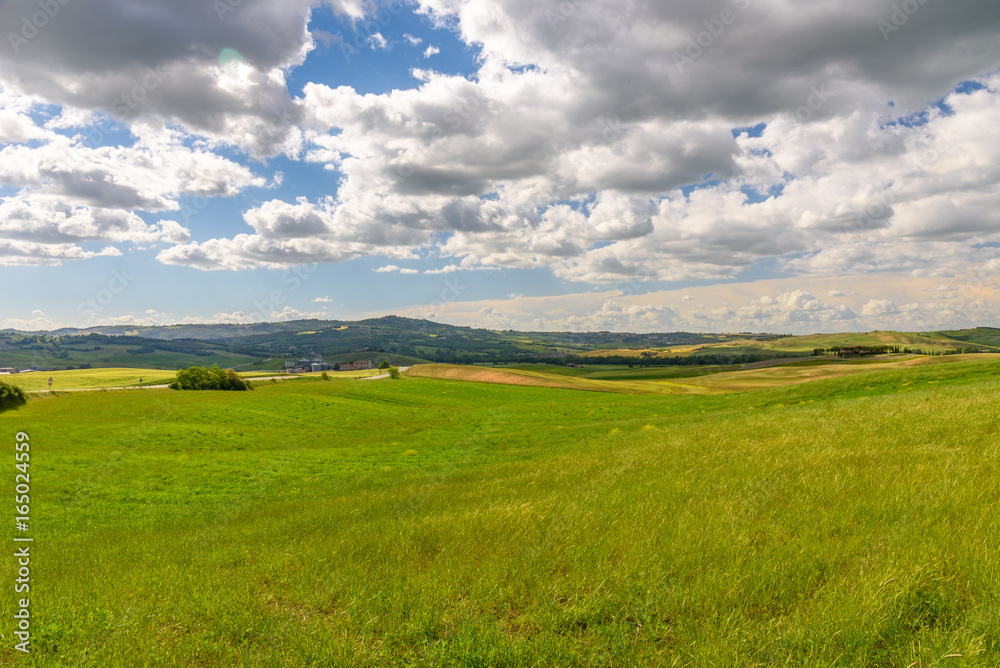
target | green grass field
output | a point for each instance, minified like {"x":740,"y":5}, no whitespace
{"x":674,"y":380}
{"x":91,"y":379}
{"x":848,"y":521}
{"x":931,"y":342}
{"x":88,"y":378}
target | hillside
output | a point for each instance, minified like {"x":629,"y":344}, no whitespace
{"x":406,"y":341}
{"x":421,"y":522}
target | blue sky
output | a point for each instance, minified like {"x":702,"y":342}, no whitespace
{"x":628,"y":165}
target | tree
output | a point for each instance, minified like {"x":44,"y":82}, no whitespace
{"x":393,"y":372}
{"x":384,"y":365}
{"x":11,"y":396}
{"x":214,"y":378}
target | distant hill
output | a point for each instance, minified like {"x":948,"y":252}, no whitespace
{"x":173,"y":332}
{"x":406,"y":341}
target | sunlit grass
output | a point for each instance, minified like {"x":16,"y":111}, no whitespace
{"x":88,"y":378}
{"x":844,"y":522}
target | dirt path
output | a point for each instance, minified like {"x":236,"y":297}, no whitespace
{"x":384,"y":375}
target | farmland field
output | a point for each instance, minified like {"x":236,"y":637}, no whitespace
{"x":846,"y":521}
{"x":88,"y":378}
{"x":682,"y":380}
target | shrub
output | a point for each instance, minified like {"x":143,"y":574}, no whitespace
{"x":393,"y":372}
{"x":11,"y":396}
{"x":214,"y":378}
{"x":325,"y":376}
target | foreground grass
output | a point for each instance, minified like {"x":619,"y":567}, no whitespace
{"x":845,"y":522}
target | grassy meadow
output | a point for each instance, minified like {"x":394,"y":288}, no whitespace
{"x":699,"y":380}
{"x":85,"y":379}
{"x":983,"y":339}
{"x":847,"y":521}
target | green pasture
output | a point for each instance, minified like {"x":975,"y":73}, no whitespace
{"x":672,"y":380}
{"x":88,"y":378}
{"x":624,"y":372}
{"x":848,"y":521}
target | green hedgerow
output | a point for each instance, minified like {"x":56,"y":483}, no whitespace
{"x":213,"y":378}
{"x":11,"y":396}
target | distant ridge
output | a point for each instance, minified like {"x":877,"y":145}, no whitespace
{"x":407,"y":340}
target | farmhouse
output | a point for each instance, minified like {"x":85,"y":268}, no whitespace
{"x":354,"y":366}
{"x":305,"y":365}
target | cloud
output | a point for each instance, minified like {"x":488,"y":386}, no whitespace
{"x":322,"y":300}
{"x":591,"y":191}
{"x":431,"y":51}
{"x":169,"y":65}
{"x":606,"y":143}
{"x":71,"y":190}
{"x":880,"y":307}
{"x":773,"y":305}
{"x":391,"y":268}
{"x":447,"y":269}
{"x":793,"y":308}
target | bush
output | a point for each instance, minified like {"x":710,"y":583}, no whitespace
{"x":214,"y":378}
{"x":393,"y":372}
{"x":11,"y":396}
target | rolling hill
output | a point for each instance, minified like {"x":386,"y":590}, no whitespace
{"x":405,"y":341}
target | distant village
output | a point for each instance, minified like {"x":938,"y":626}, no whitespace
{"x":306,"y":365}
{"x":7,"y":370}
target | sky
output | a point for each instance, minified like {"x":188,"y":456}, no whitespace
{"x":630,"y":165}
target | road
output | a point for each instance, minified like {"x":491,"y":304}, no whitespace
{"x":384,"y":375}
